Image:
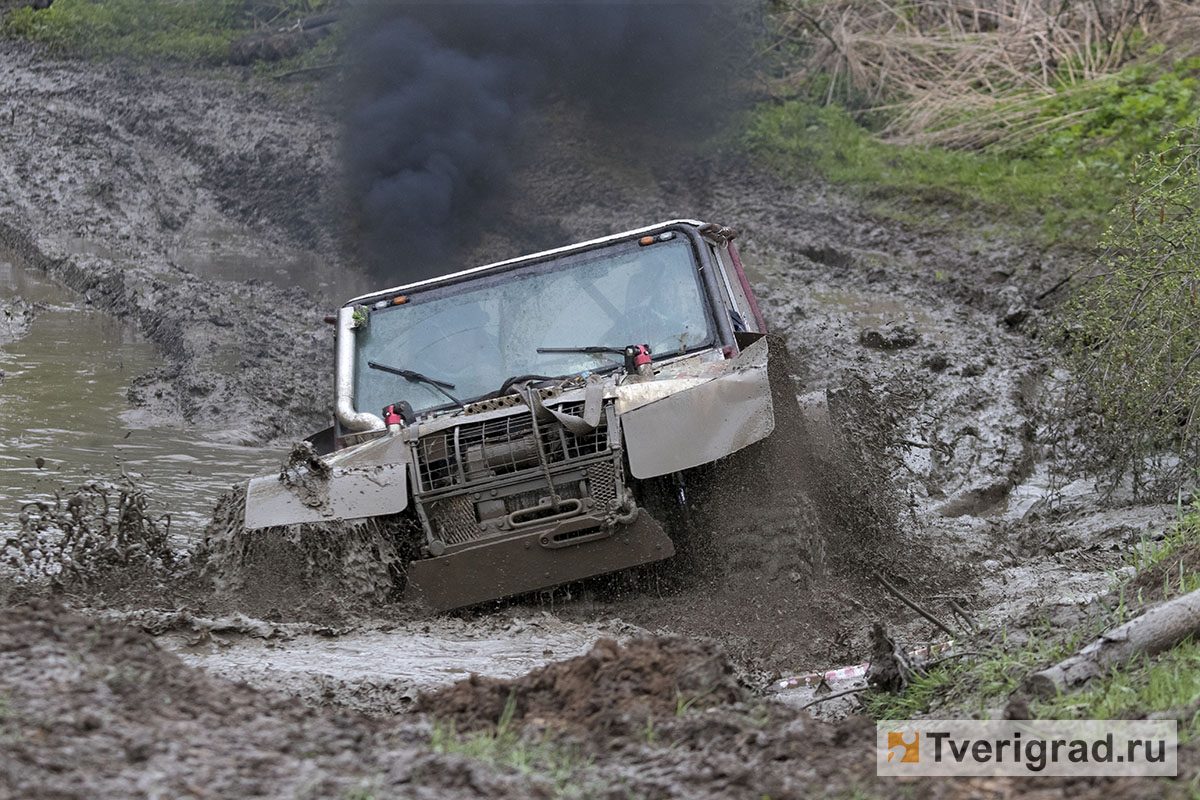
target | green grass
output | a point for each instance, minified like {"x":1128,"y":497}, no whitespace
{"x":1061,"y":200}
{"x":975,"y":685}
{"x":1054,"y":173}
{"x":1167,"y":682}
{"x":561,"y":765}
{"x":919,"y":697}
{"x":1169,"y":555}
{"x":1110,"y":121}
{"x":177,"y":30}
{"x":1148,"y":553}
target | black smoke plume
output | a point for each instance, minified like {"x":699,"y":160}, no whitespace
{"x":440,"y":98}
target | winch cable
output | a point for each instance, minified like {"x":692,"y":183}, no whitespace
{"x":536,"y":409}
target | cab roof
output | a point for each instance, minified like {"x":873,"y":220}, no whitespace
{"x":532,"y":257}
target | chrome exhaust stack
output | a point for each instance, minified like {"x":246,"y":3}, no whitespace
{"x":350,"y":419}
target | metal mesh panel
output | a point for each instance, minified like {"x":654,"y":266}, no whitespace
{"x":498,"y":446}
{"x":481,"y":450}
{"x":454,"y":520}
{"x":566,"y":444}
{"x":602,"y":482}
{"x":437,"y":462}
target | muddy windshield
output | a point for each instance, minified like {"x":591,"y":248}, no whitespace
{"x":474,"y":336}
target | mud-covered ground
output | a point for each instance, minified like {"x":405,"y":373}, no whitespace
{"x":98,"y":709}
{"x":202,"y":210}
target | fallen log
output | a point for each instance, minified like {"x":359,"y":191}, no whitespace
{"x":1158,"y":629}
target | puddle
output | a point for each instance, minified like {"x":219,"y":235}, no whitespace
{"x":874,"y":310}
{"x":63,"y":400}
{"x":410,"y":657}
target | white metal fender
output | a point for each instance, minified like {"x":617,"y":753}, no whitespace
{"x":697,"y":422}
{"x":366,"y":481}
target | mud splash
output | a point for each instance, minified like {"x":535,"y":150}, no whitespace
{"x":300,"y":571}
{"x":100,"y":532}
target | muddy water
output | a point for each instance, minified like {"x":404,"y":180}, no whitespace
{"x":381,"y":669}
{"x":63,"y":400}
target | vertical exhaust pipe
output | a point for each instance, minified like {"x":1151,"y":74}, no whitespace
{"x":350,"y":419}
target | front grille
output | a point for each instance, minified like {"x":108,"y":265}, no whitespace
{"x":476,"y":451}
{"x":588,"y":444}
{"x":453,"y":520}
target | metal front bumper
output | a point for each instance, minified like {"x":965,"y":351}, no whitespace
{"x":494,"y":569}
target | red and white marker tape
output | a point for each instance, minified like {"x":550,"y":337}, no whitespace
{"x":810,"y":679}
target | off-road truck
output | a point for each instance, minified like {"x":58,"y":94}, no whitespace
{"x":528,"y":423}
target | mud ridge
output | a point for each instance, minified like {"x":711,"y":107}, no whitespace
{"x":614,"y":688}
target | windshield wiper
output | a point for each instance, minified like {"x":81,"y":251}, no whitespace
{"x":620,"y":351}
{"x":416,"y":377}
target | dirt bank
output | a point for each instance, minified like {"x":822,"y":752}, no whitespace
{"x":141,"y":190}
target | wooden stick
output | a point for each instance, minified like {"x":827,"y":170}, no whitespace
{"x":913,"y":605}
{"x":961,"y":613}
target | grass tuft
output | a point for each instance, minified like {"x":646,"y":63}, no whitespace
{"x":1061,"y":200}
{"x":176,"y":30}
{"x":559,"y":764}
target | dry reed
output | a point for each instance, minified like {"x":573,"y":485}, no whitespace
{"x":972,"y":73}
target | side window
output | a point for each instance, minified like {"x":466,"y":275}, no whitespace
{"x":732,"y":307}
{"x":731,"y":293}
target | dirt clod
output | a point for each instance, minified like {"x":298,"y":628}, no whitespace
{"x":613,"y":687}
{"x":891,"y":338}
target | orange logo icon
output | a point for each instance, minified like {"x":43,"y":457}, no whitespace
{"x":911,"y":749}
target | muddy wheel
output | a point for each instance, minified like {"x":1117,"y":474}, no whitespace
{"x":748,"y":512}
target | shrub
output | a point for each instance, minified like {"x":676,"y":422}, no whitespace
{"x":1133,"y":329}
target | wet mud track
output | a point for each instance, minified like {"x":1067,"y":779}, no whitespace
{"x":198,"y":210}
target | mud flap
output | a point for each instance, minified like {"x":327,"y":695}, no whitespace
{"x":491,"y":570}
